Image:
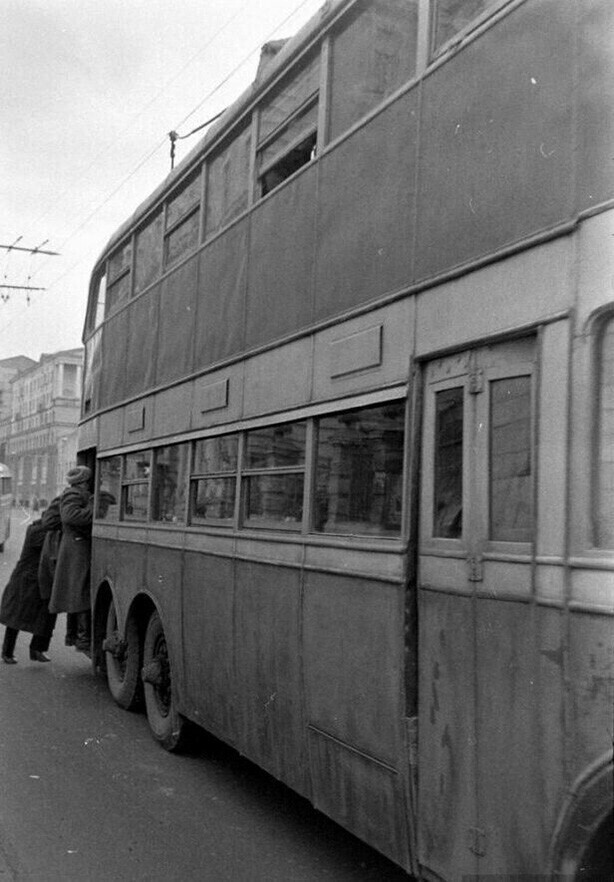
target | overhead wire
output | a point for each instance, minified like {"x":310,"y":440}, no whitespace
{"x":161,"y":143}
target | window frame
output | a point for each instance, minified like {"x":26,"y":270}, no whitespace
{"x":194,"y":477}
{"x":133,"y":482}
{"x":183,"y":518}
{"x":435,"y":53}
{"x":195,"y":175}
{"x":602,"y":322}
{"x":309,"y":133}
{"x":246,"y":473}
{"x":240,"y":523}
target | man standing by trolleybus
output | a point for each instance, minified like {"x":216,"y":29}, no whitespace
{"x":71,"y":589}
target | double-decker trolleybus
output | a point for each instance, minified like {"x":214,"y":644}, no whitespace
{"x":6,"y":503}
{"x":350,"y":382}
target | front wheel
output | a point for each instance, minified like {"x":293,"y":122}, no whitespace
{"x":167,"y":726}
{"x":122,"y":661}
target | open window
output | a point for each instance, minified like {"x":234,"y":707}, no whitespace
{"x":288,"y":127}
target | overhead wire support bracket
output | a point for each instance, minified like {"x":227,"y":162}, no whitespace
{"x":37,"y":250}
{"x":22,"y":288}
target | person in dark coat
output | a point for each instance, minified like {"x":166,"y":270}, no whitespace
{"x":49,"y":557}
{"x":70,"y":592}
{"x":22,"y":607}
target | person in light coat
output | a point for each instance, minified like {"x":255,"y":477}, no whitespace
{"x":70,"y":592}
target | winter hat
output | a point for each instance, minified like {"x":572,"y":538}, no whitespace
{"x":79,"y":475}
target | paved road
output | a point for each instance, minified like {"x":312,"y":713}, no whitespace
{"x":87,"y":795}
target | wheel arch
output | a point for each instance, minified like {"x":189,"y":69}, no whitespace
{"x":140,"y":609}
{"x":587,"y":808}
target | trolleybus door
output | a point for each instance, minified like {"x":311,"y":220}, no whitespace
{"x":475,"y":576}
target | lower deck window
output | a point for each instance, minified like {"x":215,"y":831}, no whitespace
{"x":109,"y":488}
{"x":605,"y":441}
{"x":511,"y":483}
{"x":169,"y":484}
{"x":274,"y":498}
{"x":274,"y":475}
{"x":214,"y":480}
{"x":135,"y":486}
{"x":448,"y":485}
{"x":359,"y":469}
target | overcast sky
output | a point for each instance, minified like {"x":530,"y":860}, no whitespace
{"x":90,"y":90}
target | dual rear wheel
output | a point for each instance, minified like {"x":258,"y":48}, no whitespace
{"x":136,"y":673}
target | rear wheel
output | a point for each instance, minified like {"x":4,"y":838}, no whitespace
{"x":167,"y":726}
{"x":122,"y":661}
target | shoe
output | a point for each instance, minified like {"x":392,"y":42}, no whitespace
{"x":82,"y":645}
{"x":9,"y":660}
{"x":70,"y":640}
{"x":37,"y":655}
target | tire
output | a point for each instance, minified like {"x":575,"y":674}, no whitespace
{"x":167,"y":726}
{"x":123,"y":662}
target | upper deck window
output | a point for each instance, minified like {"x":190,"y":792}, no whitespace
{"x":118,"y":273}
{"x":605,"y":441}
{"x":450,"y":17}
{"x":372,"y":55}
{"x":148,"y":254}
{"x":227,"y":182}
{"x":288,"y":126}
{"x":182,"y":220}
{"x":100,"y":299}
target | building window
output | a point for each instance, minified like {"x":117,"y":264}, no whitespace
{"x":288,"y":127}
{"x":359,"y":471}
{"x":135,"y":486}
{"x":604,"y":520}
{"x":214,"y":480}
{"x":70,"y":388}
{"x":170,"y":484}
{"x":182,"y":221}
{"x":373,"y":55}
{"x":274,"y":476}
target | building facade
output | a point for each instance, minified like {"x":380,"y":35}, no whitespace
{"x":9,"y":368}
{"x":42,"y":441}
